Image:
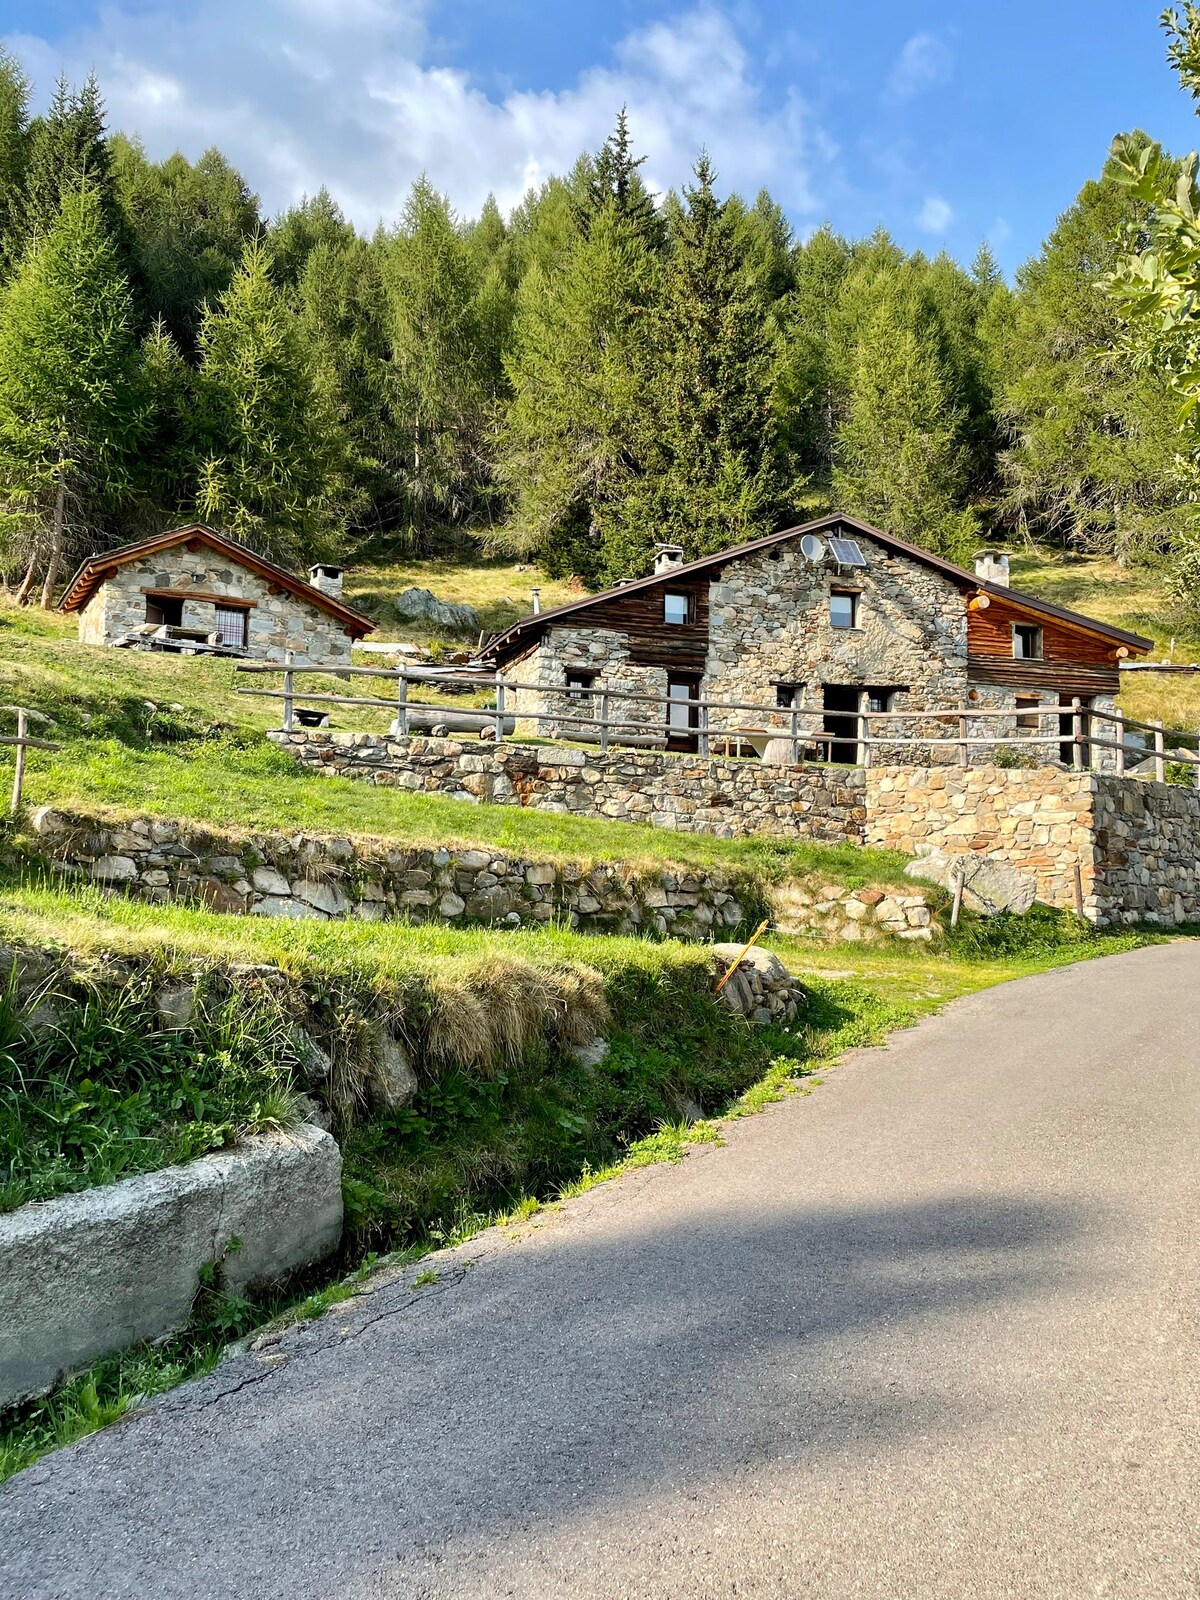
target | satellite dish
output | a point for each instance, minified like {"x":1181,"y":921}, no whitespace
{"x":812,"y":548}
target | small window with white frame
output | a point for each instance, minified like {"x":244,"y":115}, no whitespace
{"x":1027,"y":641}
{"x":677,"y":608}
{"x":843,"y":608}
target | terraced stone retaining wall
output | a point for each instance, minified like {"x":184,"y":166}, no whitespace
{"x":687,"y":794}
{"x":302,"y":875}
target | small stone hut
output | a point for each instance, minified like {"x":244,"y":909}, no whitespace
{"x":196,"y":590}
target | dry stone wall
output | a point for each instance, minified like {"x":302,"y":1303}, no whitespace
{"x":687,"y":794}
{"x":312,"y":876}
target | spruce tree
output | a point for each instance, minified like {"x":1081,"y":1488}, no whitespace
{"x":712,"y":473}
{"x":67,"y":148}
{"x":900,"y":457}
{"x":613,"y":179}
{"x":578,"y":368}
{"x":166,"y":473}
{"x":70,"y":414}
{"x":270,"y":455}
{"x":14,"y":142}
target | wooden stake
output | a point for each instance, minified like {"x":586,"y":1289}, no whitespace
{"x":1078,"y":890}
{"x":753,"y":939}
{"x":19,"y":770}
{"x":960,"y":879}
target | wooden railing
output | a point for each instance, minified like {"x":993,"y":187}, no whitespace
{"x":23,"y":741}
{"x":719,"y":726}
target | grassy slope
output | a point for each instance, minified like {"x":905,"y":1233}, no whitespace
{"x":499,"y":592}
{"x":1127,"y":597}
{"x":124,"y":755}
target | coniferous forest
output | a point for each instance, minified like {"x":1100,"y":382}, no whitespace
{"x":604,"y":369}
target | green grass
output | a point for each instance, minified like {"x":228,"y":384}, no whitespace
{"x":161,"y":735}
{"x":102,"y":1090}
{"x":498,"y":590}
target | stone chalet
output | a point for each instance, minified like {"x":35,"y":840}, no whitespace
{"x":196,"y":590}
{"x":830,"y":619}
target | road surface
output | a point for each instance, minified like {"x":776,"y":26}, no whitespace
{"x":927,"y":1333}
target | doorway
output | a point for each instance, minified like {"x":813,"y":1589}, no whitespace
{"x":1066,"y":731}
{"x":841,"y":703}
{"x":683,"y":720}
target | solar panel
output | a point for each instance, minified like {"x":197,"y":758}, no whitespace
{"x":847,"y":553}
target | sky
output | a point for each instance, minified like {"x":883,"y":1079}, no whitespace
{"x":947,"y":123}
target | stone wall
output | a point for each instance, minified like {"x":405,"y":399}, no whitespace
{"x":1135,"y":844}
{"x":307,"y":876}
{"x":687,"y":794}
{"x":278,"y":622}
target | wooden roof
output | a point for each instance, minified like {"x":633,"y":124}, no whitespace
{"x":521,"y":635}
{"x":97,"y":569}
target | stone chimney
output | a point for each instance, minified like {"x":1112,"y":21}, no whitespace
{"x":327,"y":578}
{"x":992,"y":567}
{"x":667,"y":556}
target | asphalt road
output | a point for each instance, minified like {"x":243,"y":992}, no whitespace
{"x":926,"y":1332}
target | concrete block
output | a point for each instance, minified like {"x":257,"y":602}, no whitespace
{"x":90,"y":1273}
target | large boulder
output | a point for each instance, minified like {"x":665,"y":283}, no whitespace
{"x":989,"y":886}
{"x":420,"y":605}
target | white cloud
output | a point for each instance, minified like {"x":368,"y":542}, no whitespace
{"x":935,"y":216}
{"x":349,"y":93}
{"x":924,"y":63}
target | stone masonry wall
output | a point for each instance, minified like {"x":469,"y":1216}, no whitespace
{"x":687,"y":794}
{"x":1136,"y":843}
{"x":277,"y":875}
{"x":277,"y":622}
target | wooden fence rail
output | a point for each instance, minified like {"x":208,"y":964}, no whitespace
{"x":876,"y":733}
{"x":23,"y":741}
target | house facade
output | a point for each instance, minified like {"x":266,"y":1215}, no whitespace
{"x":813,"y":627}
{"x":194,"y":589}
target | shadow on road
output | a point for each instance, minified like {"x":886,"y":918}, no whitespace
{"x":591,"y":1371}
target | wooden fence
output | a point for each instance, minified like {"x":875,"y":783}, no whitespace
{"x":719,"y":727}
{"x":23,"y":741}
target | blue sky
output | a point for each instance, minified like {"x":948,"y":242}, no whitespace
{"x":946,"y":123}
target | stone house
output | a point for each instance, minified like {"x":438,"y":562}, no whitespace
{"x":816,"y":625}
{"x":193,"y":589}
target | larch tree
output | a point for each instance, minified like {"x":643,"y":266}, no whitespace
{"x":70,"y":408}
{"x":577,"y":368}
{"x":270,"y":455}
{"x":901,"y":459}
{"x":14,"y":142}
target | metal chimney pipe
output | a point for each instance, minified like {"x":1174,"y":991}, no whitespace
{"x":537,"y":599}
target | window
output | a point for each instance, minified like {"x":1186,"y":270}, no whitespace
{"x":231,"y":622}
{"x":1027,"y":642}
{"x":787,"y":696}
{"x":677,"y":608}
{"x":164,"y":610}
{"x":1027,"y":714}
{"x":580,"y":683}
{"x":843,"y":609}
{"x":880,"y":699}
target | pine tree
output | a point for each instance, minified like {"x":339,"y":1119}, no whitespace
{"x":295,"y":234}
{"x":70,"y":415}
{"x":900,"y":458}
{"x":808,"y":400}
{"x":712,"y":474}
{"x":270,"y":455}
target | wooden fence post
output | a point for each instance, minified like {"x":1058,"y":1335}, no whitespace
{"x":864,"y":737}
{"x":964,"y":751}
{"x":288,"y":688}
{"x":499,"y":709}
{"x":401,"y":703}
{"x":1160,"y":745}
{"x":1077,"y":734}
{"x":604,"y":721}
{"x":19,"y":770}
{"x":702,"y":727}
{"x":1120,"y":720}
{"x":795,"y":736}
{"x":960,"y":880}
